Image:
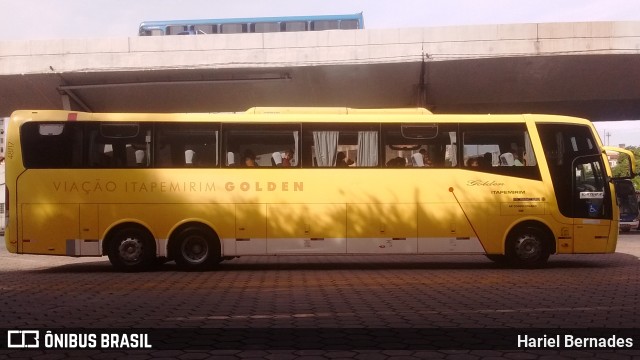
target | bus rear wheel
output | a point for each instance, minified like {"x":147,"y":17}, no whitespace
{"x":196,"y":248}
{"x":527,"y":248}
{"x":131,"y":249}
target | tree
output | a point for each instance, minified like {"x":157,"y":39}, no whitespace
{"x":622,"y":168}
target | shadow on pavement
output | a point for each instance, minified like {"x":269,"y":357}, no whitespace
{"x":398,"y":262}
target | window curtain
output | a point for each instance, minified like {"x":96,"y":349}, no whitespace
{"x":529,"y":156}
{"x":295,"y":148}
{"x":453,"y":149}
{"x":325,"y":147}
{"x":217,"y":150}
{"x":367,"y":148}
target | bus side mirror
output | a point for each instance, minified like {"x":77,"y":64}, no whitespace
{"x":622,"y":162}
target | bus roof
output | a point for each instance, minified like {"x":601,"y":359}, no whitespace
{"x":296,"y":115}
{"x":335,"y":111}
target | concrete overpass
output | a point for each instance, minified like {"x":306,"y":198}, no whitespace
{"x":585,"y":69}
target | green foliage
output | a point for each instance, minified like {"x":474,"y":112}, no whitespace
{"x":622,"y":168}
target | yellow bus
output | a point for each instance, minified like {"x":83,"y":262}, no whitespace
{"x":201,"y":188}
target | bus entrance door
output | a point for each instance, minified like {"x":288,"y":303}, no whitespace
{"x":591,"y":205}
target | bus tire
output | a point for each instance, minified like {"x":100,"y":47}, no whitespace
{"x":131,"y":248}
{"x":527,"y":247}
{"x":196,"y":248}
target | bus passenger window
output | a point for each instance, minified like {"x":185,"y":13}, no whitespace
{"x":331,"y":145}
{"x":420,"y":145}
{"x":51,"y":145}
{"x":187,"y":145}
{"x":118,"y":145}
{"x":499,"y":148}
{"x":259,"y":145}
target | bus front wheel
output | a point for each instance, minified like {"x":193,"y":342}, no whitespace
{"x":131,"y":249}
{"x":527,"y":248}
{"x":196,"y":248}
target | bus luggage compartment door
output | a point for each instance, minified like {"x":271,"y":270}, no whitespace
{"x":306,"y":228}
{"x":590,"y":236}
{"x":251,"y":229}
{"x":47,"y":227}
{"x":382,"y":229}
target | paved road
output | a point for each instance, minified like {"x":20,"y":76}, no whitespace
{"x":336,"y":304}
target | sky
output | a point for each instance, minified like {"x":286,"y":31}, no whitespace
{"x":620,"y":132}
{"x":56,"y":19}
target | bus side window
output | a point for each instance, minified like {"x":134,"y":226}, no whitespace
{"x":499,"y":148}
{"x":187,"y":145}
{"x":118,"y":145}
{"x":255,"y":145}
{"x":420,"y":145}
{"x":330,"y":145}
{"x":51,"y":145}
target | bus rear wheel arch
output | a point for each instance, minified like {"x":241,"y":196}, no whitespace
{"x":529,"y":245}
{"x":131,"y":247}
{"x":195,"y":247}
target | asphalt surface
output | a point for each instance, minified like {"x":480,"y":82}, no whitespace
{"x":339,"y":307}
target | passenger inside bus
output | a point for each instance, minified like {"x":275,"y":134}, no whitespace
{"x":506,"y":159}
{"x":425,"y":158}
{"x":249,"y":159}
{"x":276,"y":159}
{"x":288,"y":158}
{"x":231,"y":162}
{"x":341,"y":160}
{"x":397,"y":162}
{"x":517,"y":161}
{"x":417,"y":160}
{"x":421,"y":159}
{"x":473,"y":162}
